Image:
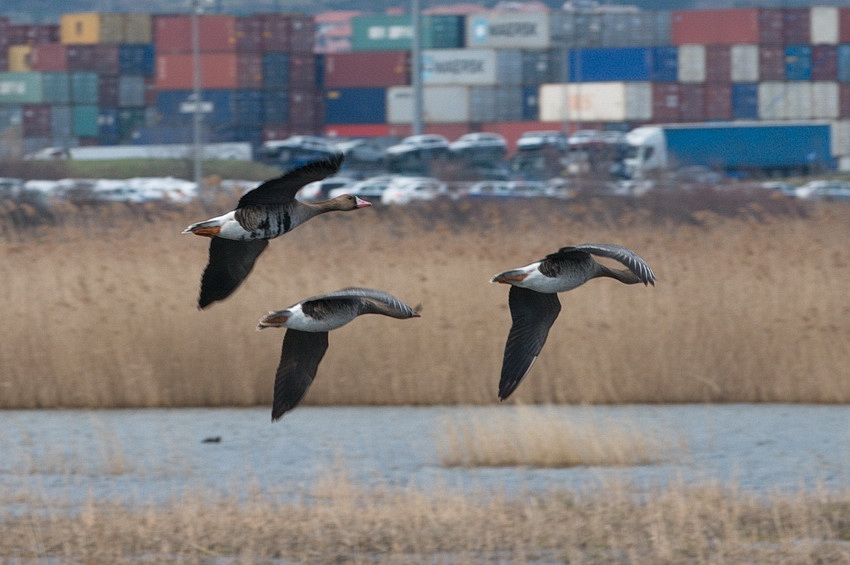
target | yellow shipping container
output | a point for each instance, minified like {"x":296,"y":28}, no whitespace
{"x":138,"y":28}
{"x":92,"y":27}
{"x":19,"y":58}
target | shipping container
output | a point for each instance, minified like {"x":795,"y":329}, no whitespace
{"x":304,"y":72}
{"x":665,"y":64}
{"x":107,"y":91}
{"x":216,"y":33}
{"x":138,"y":28}
{"x":36,"y":120}
{"x":576,"y":29}
{"x":302,"y":33}
{"x":356,"y":105}
{"x":84,"y":120}
{"x":798,"y":62}
{"x":611,"y":64}
{"x":824,"y":62}
{"x":666,"y":100}
{"x":101,"y":58}
{"x":108,"y":127}
{"x":92,"y":27}
{"x":824,"y":25}
{"x":464,"y":66}
{"x":718,"y":102}
{"x":511,"y":30}
{"x":693,"y":103}
{"x":720,"y":27}
{"x":354,"y":130}
{"x":30,"y":34}
{"x":395,"y":32}
{"x":177,"y":106}
{"x":771,"y":62}
{"x":744,"y":63}
{"x":306,"y":109}
{"x":21,"y":88}
{"x":826,"y":102}
{"x":56,"y":87}
{"x":18,"y":57}
{"x":635,"y":29}
{"x":540,"y":66}
{"x":129,"y":119}
{"x":796,"y":26}
{"x":602,"y":101}
{"x":84,"y":88}
{"x":844,"y":101}
{"x":276,"y":69}
{"x":249,"y":33}
{"x":718,"y":63}
{"x":137,"y":59}
{"x":498,"y":103}
{"x":844,"y":25}
{"x":692,"y":63}
{"x":842,"y":54}
{"x":785,"y":100}
{"x":530,"y":103}
{"x":366,"y":69}
{"x":771,"y":23}
{"x":49,"y":57}
{"x":132,"y":91}
{"x":61,"y":121}
{"x":442,"y":104}
{"x":218,"y":70}
{"x":745,"y":101}
{"x":276,"y":106}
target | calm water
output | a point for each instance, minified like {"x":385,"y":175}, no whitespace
{"x":159,"y":454}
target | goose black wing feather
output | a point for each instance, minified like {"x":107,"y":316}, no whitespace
{"x":532,"y":314}
{"x":229,"y":263}
{"x":300,"y":355}
{"x":622,"y":254}
{"x":282,"y":189}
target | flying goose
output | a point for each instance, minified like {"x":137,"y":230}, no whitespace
{"x":534,"y":304}
{"x":266,"y":212}
{"x":306,"y":339}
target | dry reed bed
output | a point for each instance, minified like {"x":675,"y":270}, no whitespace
{"x":750,"y":306}
{"x":340,"y":522}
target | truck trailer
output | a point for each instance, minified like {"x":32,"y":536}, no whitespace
{"x":737,"y":149}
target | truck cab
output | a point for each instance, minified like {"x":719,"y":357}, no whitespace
{"x":646,"y":151}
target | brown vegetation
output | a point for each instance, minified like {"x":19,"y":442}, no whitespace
{"x":751,"y":305}
{"x":341,"y":522}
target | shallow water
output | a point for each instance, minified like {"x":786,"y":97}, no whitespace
{"x":156,"y":455}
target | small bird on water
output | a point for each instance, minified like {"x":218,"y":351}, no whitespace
{"x":306,"y":339}
{"x":534,"y":304}
{"x":266,"y":212}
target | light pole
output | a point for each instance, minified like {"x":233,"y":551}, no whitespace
{"x":197,"y":115}
{"x":416,"y":67}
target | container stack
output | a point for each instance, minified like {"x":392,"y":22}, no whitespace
{"x":258,"y":77}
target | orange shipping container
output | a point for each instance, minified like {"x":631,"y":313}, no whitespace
{"x":173,"y":34}
{"x":218,"y":70}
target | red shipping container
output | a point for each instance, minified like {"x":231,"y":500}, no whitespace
{"x":249,"y":70}
{"x":302,"y":71}
{"x":36,"y":120}
{"x":771,"y":22}
{"x":693,"y":103}
{"x":718,"y":63}
{"x":796,"y":25}
{"x":175,"y":71}
{"x":49,"y":57}
{"x":173,"y":34}
{"x":824,"y":62}
{"x":844,"y":100}
{"x":666,"y":101}
{"x":718,"y":27}
{"x":356,"y":130}
{"x":218,"y":33}
{"x":771,"y":62}
{"x":276,"y":32}
{"x":302,"y":33}
{"x":844,"y":25}
{"x":367,"y":69}
{"x":30,"y":34}
{"x":249,"y":34}
{"x":718,"y":102}
{"x":99,"y":57}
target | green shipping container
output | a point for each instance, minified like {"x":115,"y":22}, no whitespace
{"x":85,"y":121}
{"x":56,"y":87}
{"x":389,"y":33}
{"x":84,"y":87}
{"x":21,"y":88}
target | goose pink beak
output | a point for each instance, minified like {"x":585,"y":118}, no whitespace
{"x":272,"y":320}
{"x":360,"y":203}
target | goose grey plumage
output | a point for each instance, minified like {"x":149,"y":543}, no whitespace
{"x":534,"y":304}
{"x":264,"y":213}
{"x":306,"y":339}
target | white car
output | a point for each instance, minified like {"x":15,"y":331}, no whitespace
{"x":371,"y":188}
{"x":536,"y":140}
{"x":404,"y":190}
{"x":425,"y":142}
{"x":824,"y":190}
{"x":479,"y":141}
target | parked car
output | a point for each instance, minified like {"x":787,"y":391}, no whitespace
{"x":824,"y":190}
{"x":511,"y":189}
{"x":404,"y":190}
{"x":370,"y":189}
{"x":320,"y":189}
{"x":428,"y":142}
{"x":536,"y":140}
{"x":480,"y":143}
{"x":296,"y":150}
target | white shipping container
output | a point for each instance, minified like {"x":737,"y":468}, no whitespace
{"x":459,"y":66}
{"x":823,"y":25}
{"x":691,"y":63}
{"x":524,"y":30}
{"x":825,"y":100}
{"x":745,"y":63}
{"x":440,"y":104}
{"x":596,"y":101}
{"x":785,"y":100}
{"x":771,"y":100}
{"x":839,"y":138}
{"x":798,"y":101}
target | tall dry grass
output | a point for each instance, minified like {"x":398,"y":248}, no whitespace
{"x":751,"y":305}
{"x":341,"y":522}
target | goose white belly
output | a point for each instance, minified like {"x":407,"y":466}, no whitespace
{"x":298,"y":320}
{"x":541,"y":283}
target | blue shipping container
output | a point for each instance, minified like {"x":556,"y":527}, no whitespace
{"x":745,"y":101}
{"x":843,"y":55}
{"x":248,"y":107}
{"x":136,"y":59}
{"x":276,"y":70}
{"x":276,"y":106}
{"x":148,"y":135}
{"x":174,"y":105}
{"x":798,"y":62}
{"x":665,"y":64}
{"x":356,"y":106}
{"x":530,"y":104}
{"x":605,"y":64}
